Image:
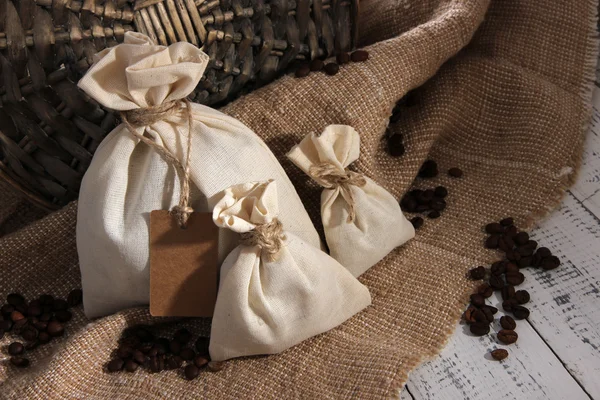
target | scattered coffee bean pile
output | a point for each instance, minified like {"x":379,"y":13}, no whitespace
{"x":429,"y":201}
{"x":140,"y":348}
{"x":331,"y":68}
{"x":36,"y":322}
{"x":519,"y":252}
{"x":395,"y":141}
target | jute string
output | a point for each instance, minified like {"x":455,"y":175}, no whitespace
{"x":143,"y":117}
{"x":330,"y":177}
{"x":268,"y":237}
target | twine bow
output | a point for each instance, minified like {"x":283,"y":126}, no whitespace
{"x":268,"y":237}
{"x":330,"y":177}
{"x":143,"y":117}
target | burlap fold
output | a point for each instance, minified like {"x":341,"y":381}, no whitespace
{"x":510,"y":109}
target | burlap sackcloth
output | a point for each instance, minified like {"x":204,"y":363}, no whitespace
{"x":509,"y":105}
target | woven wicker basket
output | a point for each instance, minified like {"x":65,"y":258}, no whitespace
{"x":49,"y":129}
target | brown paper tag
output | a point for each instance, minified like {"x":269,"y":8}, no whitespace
{"x":184,"y":266}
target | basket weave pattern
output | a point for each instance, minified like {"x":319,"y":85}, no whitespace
{"x":49,"y":129}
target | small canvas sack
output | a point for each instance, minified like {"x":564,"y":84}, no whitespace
{"x":362,"y":221}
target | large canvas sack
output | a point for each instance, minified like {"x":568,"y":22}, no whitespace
{"x":276,"y":290}
{"x":128,"y":179}
{"x":362,"y":221}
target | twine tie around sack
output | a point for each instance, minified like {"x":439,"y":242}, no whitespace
{"x":330,"y":177}
{"x":143,"y":117}
{"x":268,"y":237}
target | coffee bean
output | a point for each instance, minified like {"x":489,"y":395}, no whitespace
{"x":34,"y":310}
{"x":425,"y":196}
{"x":508,"y":292}
{"x":144,"y":334}
{"x":515,"y":279}
{"x":434,"y":215}
{"x":507,"y":322}
{"x":191,"y":372}
{"x":479,"y":328}
{"x":359,"y":56}
{"x":499,"y":354}
{"x":502,"y":246}
{"x":395,"y":140}
{"x":115,"y":365}
{"x":74,"y":298}
{"x":45,"y":317}
{"x":6,"y":310}
{"x":492,"y":242}
{"x":138,"y":357}
{"x":408,"y":203}
{"x":332,"y":69}
{"x":508,"y":241}
{"x":316,"y":65}
{"x":183,"y":336}
{"x":147,"y":348}
{"x":31,"y":345}
{"x":507,"y":221}
{"x":455,"y":172}
{"x":46,"y":299}
{"x":507,"y":305}
{"x":513,"y":255}
{"x":302,"y":71}
{"x":63,"y":315}
{"x":216,"y":366}
{"x":521,"y":238}
{"x":498,"y":268}
{"x":175,"y":347}
{"x":18,"y":325}
{"x":544,"y":252}
{"x":429,"y":169}
{"x":202,"y":345}
{"x":174,"y":362}
{"x":469,"y":316}
{"x":511,"y":231}
{"x":124,"y":352}
{"x":522,"y":297}
{"x":29,"y":333}
{"x":15,"y":299}
{"x":417,"y":222}
{"x":438,"y":204}
{"x":494,"y":227}
{"x":477,"y":300}
{"x":6,"y":325}
{"x":19,"y":362}
{"x":488,"y":315}
{"x":200,"y":361}
{"x":525,"y":251}
{"x":397,"y":150}
{"x":520,"y":312}
{"x":422,"y":208}
{"x":507,"y":336}
{"x":343,"y":58}
{"x":511,"y":268}
{"x":485,"y":290}
{"x":496,"y":282}
{"x":187,"y":354}
{"x":15,"y":348}
{"x":55,"y":328}
{"x":531,"y":244}
{"x":153,"y":352}
{"x":131,"y":366}
{"x":525,"y":262}
{"x":440,"y":192}
{"x":477,"y":273}
{"x":550,"y":263}
{"x":154,"y":365}
{"x":59,"y":305}
{"x":16,"y":316}
{"x":44,"y":337}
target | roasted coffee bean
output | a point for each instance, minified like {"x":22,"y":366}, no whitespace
{"x":493,"y":309}
{"x":16,"y":316}
{"x":521,"y":238}
{"x":202,"y":345}
{"x":124,"y":352}
{"x":438,"y":204}
{"x":60,"y":304}
{"x":44,"y":337}
{"x":173,"y":362}
{"x":550,"y":263}
{"x":507,"y":221}
{"x":511,"y":268}
{"x":408,"y":203}
{"x":115,"y":365}
{"x":153,"y":352}
{"x":34,"y":310}
{"x":46,"y":299}
{"x":216,"y":366}
{"x":440,"y":192}
{"x":154,"y":365}
{"x":433,"y":215}
{"x":477,"y":300}
{"x":422,"y":208}
{"x":499,"y":354}
{"x":512,"y":255}
{"x":183,"y":336}
{"x":531,"y":244}
{"x":397,"y":150}
{"x":201,"y":361}
{"x":525,"y":262}
{"x":479,"y":328}
{"x":485,"y":290}
{"x":496,"y":282}
{"x":520,"y":312}
{"x":138,"y":357}
{"x":515,"y":279}
{"x":494,"y":227}
{"x":331,"y":69}
{"x":175,"y":347}
{"x":502,"y":245}
{"x":359,"y":56}
{"x":510,"y":244}
{"x":507,"y":336}
{"x":15,"y":299}
{"x":74,"y":298}
{"x":131,"y":366}
{"x":45,"y":317}
{"x":316,"y":65}
{"x":544,"y":252}
{"x":511,"y":231}
{"x":488,"y":314}
{"x":429,"y":169}
{"x":343,"y":58}
{"x":19,"y":362}
{"x":492,"y":242}
{"x":477,"y":273}
{"x":187,"y":354}
{"x":144,"y":334}
{"x":29,"y":333}
{"x":7,"y":309}
{"x":31,"y":345}
{"x":507,"y":322}
{"x":302,"y":71}
{"x":147,"y":347}
{"x":469,"y":315}
{"x":395,"y":140}
{"x":18,"y":325}
{"x":498,"y":268}
{"x":425,"y":196}
{"x":191,"y":372}
{"x":15,"y":348}
{"x":63,"y":315}
{"x":525,"y":251}
{"x":417,"y":222}
{"x":508,"y":292}
{"x":507,"y":305}
{"x":6,"y":325}
{"x":522,"y":297}
{"x":455,"y":172}
{"x":55,"y":328}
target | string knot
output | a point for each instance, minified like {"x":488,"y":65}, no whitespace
{"x":268,"y":237}
{"x":331,"y":177}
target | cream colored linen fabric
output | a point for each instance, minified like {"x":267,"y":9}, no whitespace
{"x":266,"y":306}
{"x":127,"y":179}
{"x":378,"y":226}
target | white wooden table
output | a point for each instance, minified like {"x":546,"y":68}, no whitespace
{"x":557,"y":355}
